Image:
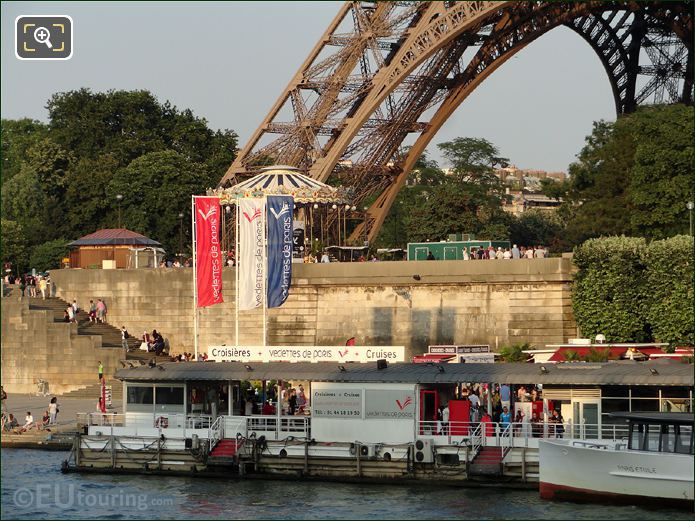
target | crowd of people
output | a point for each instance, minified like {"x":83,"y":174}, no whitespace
{"x":47,"y":421}
{"x":502,"y":401}
{"x":515,"y":252}
{"x":31,"y":285}
{"x":152,"y":343}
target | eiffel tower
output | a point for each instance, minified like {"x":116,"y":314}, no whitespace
{"x":385,"y":70}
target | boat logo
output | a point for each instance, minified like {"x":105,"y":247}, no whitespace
{"x":285,"y":208}
{"x":205,"y":216}
{"x":256,"y":214}
{"x":342,"y":353}
{"x":405,"y":403}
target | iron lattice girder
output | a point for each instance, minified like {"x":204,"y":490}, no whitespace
{"x":371,"y":86}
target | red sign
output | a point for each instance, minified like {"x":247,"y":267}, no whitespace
{"x":208,"y":262}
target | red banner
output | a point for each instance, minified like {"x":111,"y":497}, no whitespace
{"x":208,"y":263}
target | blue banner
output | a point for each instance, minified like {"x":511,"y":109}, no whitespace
{"x":280,"y":211}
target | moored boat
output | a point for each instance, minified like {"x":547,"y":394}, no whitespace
{"x":654,"y":464}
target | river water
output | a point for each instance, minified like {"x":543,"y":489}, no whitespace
{"x":34,"y":488}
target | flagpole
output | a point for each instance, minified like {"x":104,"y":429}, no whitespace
{"x":236,"y":273}
{"x":265,"y":269}
{"x":195,"y":281}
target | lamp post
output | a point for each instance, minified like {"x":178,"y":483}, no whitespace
{"x":180,"y":236}
{"x":690,"y":205}
{"x":119,"y":198}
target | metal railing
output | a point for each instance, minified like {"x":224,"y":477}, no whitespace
{"x":101,"y":419}
{"x":502,"y":433}
{"x":216,"y":432}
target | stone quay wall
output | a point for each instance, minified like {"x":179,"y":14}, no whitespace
{"x":380,"y":303}
{"x":35,"y":347}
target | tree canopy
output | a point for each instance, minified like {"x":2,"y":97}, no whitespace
{"x":60,"y":179}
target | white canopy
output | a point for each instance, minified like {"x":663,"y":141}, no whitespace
{"x":284,"y":180}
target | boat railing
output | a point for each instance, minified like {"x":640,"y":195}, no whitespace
{"x":477,"y":439}
{"x":505,"y":438}
{"x":99,"y":419}
{"x":216,"y":432}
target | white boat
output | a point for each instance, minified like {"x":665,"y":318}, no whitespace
{"x":653,"y":465}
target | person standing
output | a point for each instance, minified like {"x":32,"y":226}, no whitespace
{"x":516,"y":254}
{"x":22,"y":287}
{"x":42,"y":287}
{"x":53,"y":411}
{"x":445,"y":418}
{"x":124,"y":338}
{"x":100,"y":368}
{"x":75,"y":308}
{"x":71,"y":314}
{"x":292,"y":402}
{"x":4,"y":397}
{"x":101,"y":311}
{"x":505,"y":418}
{"x":505,"y":396}
{"x":92,"y":311}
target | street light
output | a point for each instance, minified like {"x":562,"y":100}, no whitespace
{"x":119,"y":198}
{"x":690,"y":206}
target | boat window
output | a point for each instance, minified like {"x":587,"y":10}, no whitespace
{"x":644,"y":405}
{"x":644,"y":391}
{"x":684,"y":442}
{"x":169,"y":399}
{"x":667,"y":440}
{"x":140,"y":399}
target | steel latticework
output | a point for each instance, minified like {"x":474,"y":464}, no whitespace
{"x":389,"y":73}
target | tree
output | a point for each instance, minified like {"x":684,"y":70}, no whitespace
{"x":473,"y":159}
{"x":88,"y":207}
{"x":17,"y":136}
{"x":515,"y":352}
{"x":156,"y":187}
{"x":13,"y":247}
{"x":25,"y":203}
{"x":129,"y":124}
{"x":536,"y":227}
{"x":48,"y":255}
{"x":632,"y":177}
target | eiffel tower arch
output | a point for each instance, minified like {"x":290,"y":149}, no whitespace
{"x":385,"y":71}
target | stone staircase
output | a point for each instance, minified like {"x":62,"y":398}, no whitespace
{"x":110,"y":335}
{"x":94,"y":391}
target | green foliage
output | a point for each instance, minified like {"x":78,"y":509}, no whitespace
{"x":536,"y":227}
{"x":597,"y":355}
{"x":60,"y":180}
{"x":156,"y":187}
{"x":13,"y":246}
{"x":571,"y":356}
{"x":17,"y":137}
{"x":607,"y":293}
{"x":47,"y":256}
{"x":514,"y":352}
{"x":633,"y":291}
{"x":669,"y":293}
{"x":633,"y":177}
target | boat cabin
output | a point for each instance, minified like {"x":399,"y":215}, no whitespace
{"x":659,"y":432}
{"x":394,"y":403}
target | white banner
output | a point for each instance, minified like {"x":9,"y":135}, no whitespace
{"x":251,"y":255}
{"x":306,"y":353}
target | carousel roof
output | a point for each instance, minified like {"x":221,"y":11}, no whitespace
{"x":284,"y":180}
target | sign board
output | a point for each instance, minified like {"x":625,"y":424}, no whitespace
{"x":477,"y":358}
{"x":460,"y":349}
{"x":298,"y":239}
{"x":336,"y":403}
{"x":306,"y":353}
{"x":389,"y":405}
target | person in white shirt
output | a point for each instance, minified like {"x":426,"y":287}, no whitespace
{"x":445,"y":419}
{"x":53,"y":410}
{"x":507,"y":254}
{"x":465,"y":254}
{"x":529,"y":253}
{"x":475,"y":403}
{"x":325,"y":258}
{"x":28,"y":422}
{"x":515,"y":252}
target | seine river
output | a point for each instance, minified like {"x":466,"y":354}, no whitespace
{"x":34,"y":488}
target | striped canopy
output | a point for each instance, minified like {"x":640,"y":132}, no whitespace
{"x":283,"y":180}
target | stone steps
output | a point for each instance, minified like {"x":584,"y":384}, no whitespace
{"x":110,"y":335}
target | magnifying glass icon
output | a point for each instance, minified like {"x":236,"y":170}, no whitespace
{"x":42,"y":35}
